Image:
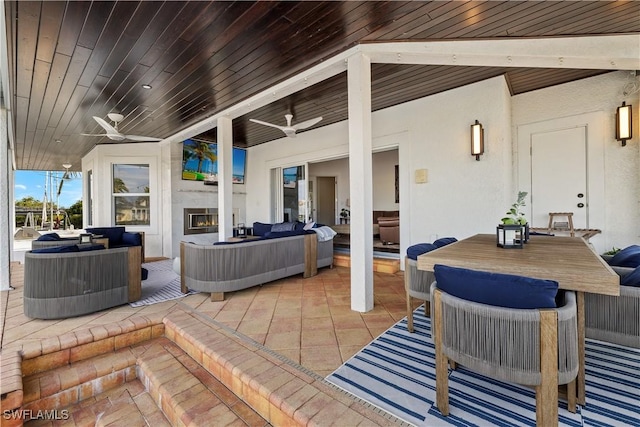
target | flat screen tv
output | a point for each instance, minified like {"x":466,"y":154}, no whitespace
{"x":200,"y":162}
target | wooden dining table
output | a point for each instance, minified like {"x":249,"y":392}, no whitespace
{"x":570,"y":261}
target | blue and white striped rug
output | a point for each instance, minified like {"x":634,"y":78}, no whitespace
{"x":162,"y":284}
{"x":396,"y":372}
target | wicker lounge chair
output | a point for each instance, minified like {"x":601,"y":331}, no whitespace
{"x":61,"y":285}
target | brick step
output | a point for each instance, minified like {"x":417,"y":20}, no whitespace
{"x":125,"y":405}
{"x":186,"y":393}
{"x":69,"y":384}
{"x":280,"y":391}
{"x":128,"y":405}
{"x":11,"y":384}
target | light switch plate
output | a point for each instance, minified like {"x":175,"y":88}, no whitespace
{"x":421,"y":176}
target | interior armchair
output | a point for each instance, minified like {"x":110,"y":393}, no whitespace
{"x":389,"y":229}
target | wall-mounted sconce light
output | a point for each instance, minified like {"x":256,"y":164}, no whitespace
{"x":477,"y":140}
{"x":623,"y":123}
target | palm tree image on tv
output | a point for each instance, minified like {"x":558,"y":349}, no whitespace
{"x":198,"y":160}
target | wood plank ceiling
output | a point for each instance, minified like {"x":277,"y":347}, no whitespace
{"x":71,"y":60}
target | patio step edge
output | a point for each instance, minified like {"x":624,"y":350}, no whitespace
{"x":185,"y":392}
{"x":280,"y":391}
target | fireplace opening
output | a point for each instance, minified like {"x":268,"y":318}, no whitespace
{"x":200,"y":220}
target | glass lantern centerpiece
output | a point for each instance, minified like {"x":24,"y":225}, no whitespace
{"x":513,"y":233}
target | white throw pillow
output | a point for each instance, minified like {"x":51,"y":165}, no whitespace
{"x":309,"y":225}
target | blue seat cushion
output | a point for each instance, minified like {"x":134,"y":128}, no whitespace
{"x":260,"y":228}
{"x":419,"y":249}
{"x":57,"y":249}
{"x":131,"y":239}
{"x":49,"y":237}
{"x":628,"y":257}
{"x":502,"y":290}
{"x":444,"y":241}
{"x":114,"y":234}
{"x":631,"y":279}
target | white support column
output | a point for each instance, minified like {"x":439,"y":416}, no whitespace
{"x":225,"y":178}
{"x":5,"y":205}
{"x":360,"y":182}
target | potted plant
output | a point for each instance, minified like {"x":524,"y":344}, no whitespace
{"x":514,"y":230}
{"x":515,"y":215}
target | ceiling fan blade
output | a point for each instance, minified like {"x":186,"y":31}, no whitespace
{"x":105,"y":125}
{"x":139,"y":138}
{"x":260,"y":122}
{"x":307,"y":124}
{"x":94,"y":134}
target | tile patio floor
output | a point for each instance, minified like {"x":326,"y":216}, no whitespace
{"x":307,"y":320}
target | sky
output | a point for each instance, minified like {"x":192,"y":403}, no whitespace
{"x":33,"y":183}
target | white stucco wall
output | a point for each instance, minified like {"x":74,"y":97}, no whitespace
{"x":193,"y":194}
{"x":462,"y":197}
{"x":99,"y":160}
{"x":621,"y":164}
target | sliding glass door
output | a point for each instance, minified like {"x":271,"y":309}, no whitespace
{"x":292,"y":202}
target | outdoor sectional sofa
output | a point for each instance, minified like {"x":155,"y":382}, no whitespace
{"x":72,"y":280}
{"x":232,"y":266}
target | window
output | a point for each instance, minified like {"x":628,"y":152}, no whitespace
{"x":130,"y":190}
{"x":89,"y":209}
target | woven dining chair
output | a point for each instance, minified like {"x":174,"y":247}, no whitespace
{"x":535,"y":347}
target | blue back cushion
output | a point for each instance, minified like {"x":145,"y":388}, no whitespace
{"x":57,"y":249}
{"x":444,"y":241}
{"x":283,"y":226}
{"x":49,"y":237}
{"x":628,"y":257}
{"x":260,"y":228}
{"x":131,"y":239}
{"x":419,"y":249}
{"x":114,"y":234}
{"x":502,"y":290}
{"x":631,"y":279}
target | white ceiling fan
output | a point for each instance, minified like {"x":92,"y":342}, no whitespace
{"x":112,"y":131}
{"x":290,"y":130}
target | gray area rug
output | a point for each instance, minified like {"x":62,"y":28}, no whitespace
{"x":162,"y":284}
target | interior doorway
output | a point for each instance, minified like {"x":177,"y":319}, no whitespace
{"x":326,"y":200}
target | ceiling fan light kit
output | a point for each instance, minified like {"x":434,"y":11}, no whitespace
{"x":290,"y":130}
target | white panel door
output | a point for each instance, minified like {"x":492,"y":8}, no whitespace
{"x":559,"y":176}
